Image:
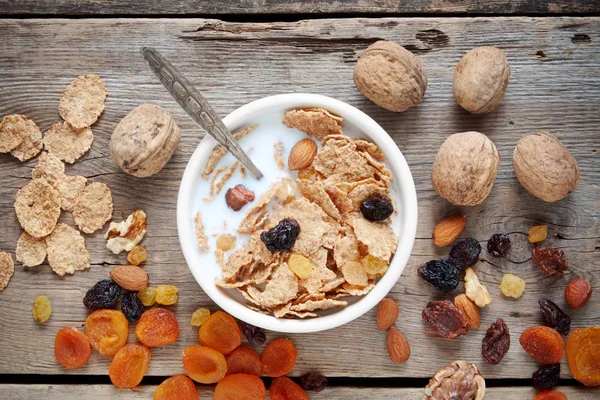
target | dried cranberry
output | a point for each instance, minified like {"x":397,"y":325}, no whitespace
{"x":442,"y":274}
{"x":554,"y":317}
{"x":496,"y":342}
{"x":103,"y":294}
{"x":498,"y":245}
{"x":132,"y":306}
{"x":446,"y":319}
{"x":283,"y":236}
{"x":254,"y":334}
{"x":551,"y":261}
{"x":546,"y":377}
{"x":465,"y":253}
{"x":313,"y":381}
{"x":377,"y":208}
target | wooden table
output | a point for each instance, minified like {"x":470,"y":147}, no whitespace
{"x":554,"y":52}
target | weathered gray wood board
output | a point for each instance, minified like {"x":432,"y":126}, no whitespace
{"x":101,"y":392}
{"x":238,"y":7}
{"x":234,"y":64}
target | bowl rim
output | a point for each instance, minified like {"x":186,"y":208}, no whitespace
{"x":400,"y":173}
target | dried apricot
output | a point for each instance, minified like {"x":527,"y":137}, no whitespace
{"x":203,"y":364}
{"x":577,"y":293}
{"x":147,"y":296}
{"x":583,"y":355}
{"x":166,"y":294}
{"x":550,"y":395}
{"x":200,"y":316}
{"x":543,"y":344}
{"x":283,"y":388}
{"x":244,"y":360}
{"x":137,"y":255}
{"x":71,"y":348}
{"x":107,"y":331}
{"x":129,"y":365}
{"x":240,"y":387}
{"x":157,"y":327}
{"x":220,"y":332}
{"x":42,"y":309}
{"x":178,"y":387}
{"x":278,"y":358}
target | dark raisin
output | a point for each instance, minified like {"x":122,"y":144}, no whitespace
{"x":551,"y":261}
{"x":313,"y":381}
{"x":103,"y":294}
{"x":496,"y":342}
{"x":254,"y":334}
{"x":446,"y":319}
{"x":132,"y":306}
{"x":283,"y":236}
{"x":465,"y":253}
{"x":377,"y":208}
{"x":554,"y":317}
{"x":442,"y":274}
{"x":498,"y":245}
{"x":546,"y":377}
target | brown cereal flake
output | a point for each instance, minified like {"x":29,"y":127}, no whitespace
{"x":50,"y":168}
{"x":7,"y":269}
{"x":357,"y":290}
{"x":282,"y":288}
{"x":219,"y":152}
{"x":379,"y":237}
{"x":83,"y":101}
{"x":32,"y":141}
{"x":339,"y":161}
{"x":225,"y":178}
{"x":325,"y":304}
{"x":319,"y":257}
{"x":315,"y":192}
{"x":13,"y":130}
{"x":37,"y":205}
{"x":278,"y":155}
{"x":238,"y":259}
{"x":213,"y":180}
{"x":331,"y":285}
{"x":314,"y":122}
{"x":257,"y":213}
{"x":69,"y":188}
{"x":66,"y":250}
{"x":30,"y":251}
{"x":285,"y":311}
{"x":346,"y":249}
{"x":93,"y":207}
{"x":243,"y":171}
{"x":200,"y":235}
{"x":319,"y":276}
{"x":340,"y":200}
{"x":363,"y":192}
{"x":66,"y":142}
{"x":369,"y":147}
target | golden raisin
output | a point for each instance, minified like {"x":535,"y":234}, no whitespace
{"x":147,"y":296}
{"x":512,"y":286}
{"x":42,"y":309}
{"x":166,"y":294}
{"x":220,"y":332}
{"x":137,"y":255}
{"x":200,"y":316}
{"x":240,"y":387}
{"x":129,"y":365}
{"x":283,"y":388}
{"x":278,"y":358}
{"x":538,"y":233}
{"x":71,"y":348}
{"x":374,"y":266}
{"x":543,"y":344}
{"x":355,"y":274}
{"x":306,"y":173}
{"x":244,"y":360}
{"x":107,"y":331}
{"x":203,"y":364}
{"x":583,"y":355}
{"x":178,"y":387}
{"x":226,"y":242}
{"x":300,"y":265}
{"x":157,"y":327}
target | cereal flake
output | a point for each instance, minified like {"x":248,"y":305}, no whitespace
{"x":219,"y":152}
{"x":13,"y":130}
{"x":379,"y":237}
{"x":83,"y":101}
{"x":30,"y":251}
{"x":93,"y":207}
{"x":7,"y":269}
{"x":66,"y":250}
{"x":66,"y":142}
{"x":37,"y":205}
{"x":314,"y":122}
{"x":50,"y":168}
{"x":278,"y":154}
{"x":32,"y":141}
{"x":200,"y":235}
{"x":69,"y":188}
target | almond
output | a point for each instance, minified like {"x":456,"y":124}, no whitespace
{"x":387,"y":313}
{"x":398,"y":347}
{"x":448,"y":230}
{"x":130,"y":277}
{"x":463,"y":303}
{"x":302,"y":154}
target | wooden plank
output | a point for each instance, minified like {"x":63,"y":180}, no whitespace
{"x":237,"y":63}
{"x":63,"y":8}
{"x":101,"y":392}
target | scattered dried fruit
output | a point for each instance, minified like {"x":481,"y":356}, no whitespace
{"x":200,"y":316}
{"x":231,"y":386}
{"x":537,"y":233}
{"x":496,"y":342}
{"x":283,"y":388}
{"x":543,"y":344}
{"x":226,"y":242}
{"x":550,"y":395}
{"x":71,"y":348}
{"x":448,"y":230}
{"x":107,"y":331}
{"x":554,"y":317}
{"x":166,"y":295}
{"x":126,"y":235}
{"x":255,"y":335}
{"x":457,"y":380}
{"x":546,"y":377}
{"x":474,"y":290}
{"x":397,"y":345}
{"x":313,"y":381}
{"x":238,"y":196}
{"x":442,"y":274}
{"x":220,"y":332}
{"x":377,"y":208}
{"x":278,"y":358}
{"x":577,"y":293}
{"x":498,"y":245}
{"x":465,"y":253}
{"x":583,"y":356}
{"x":137,"y":255}
{"x":104,"y":294}
{"x":302,"y":154}
{"x":147,"y":296}
{"x":551,"y":261}
{"x":157,"y":327}
{"x":512,"y":286}
{"x":445,"y":319}
{"x":283,"y":236}
{"x":178,"y":387}
{"x":387,"y":313}
{"x":203,"y":364}
{"x":464,"y":304}
{"x":129,"y":365}
{"x":130,"y":277}
{"x":132,"y":306}
{"x":42,"y":309}
{"x":244,"y":360}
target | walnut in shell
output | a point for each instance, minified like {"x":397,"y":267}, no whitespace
{"x":144,"y":140}
{"x":545,"y":167}
{"x":480,"y":79}
{"x":390,"y":76}
{"x":465,"y":168}
{"x":457,"y":381}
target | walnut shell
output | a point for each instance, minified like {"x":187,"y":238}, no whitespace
{"x":390,"y":76}
{"x":465,"y":168}
{"x":480,"y":79}
{"x":545,"y":167}
{"x":458,"y":381}
{"x":144,"y":140}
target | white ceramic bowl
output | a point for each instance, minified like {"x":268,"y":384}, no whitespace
{"x":402,"y":191}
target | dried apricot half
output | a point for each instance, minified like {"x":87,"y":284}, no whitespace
{"x":178,"y":387}
{"x":550,"y":395}
{"x":129,"y":365}
{"x":71,"y":347}
{"x":240,"y":387}
{"x":583,"y":355}
{"x":283,"y":388}
{"x":244,"y":360}
{"x":220,"y":332}
{"x":203,"y":364}
{"x":107,"y":331}
{"x":278,"y":358}
{"x":157,"y":327}
{"x":543,"y":344}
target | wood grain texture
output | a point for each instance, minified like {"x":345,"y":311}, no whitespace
{"x":233,"y":64}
